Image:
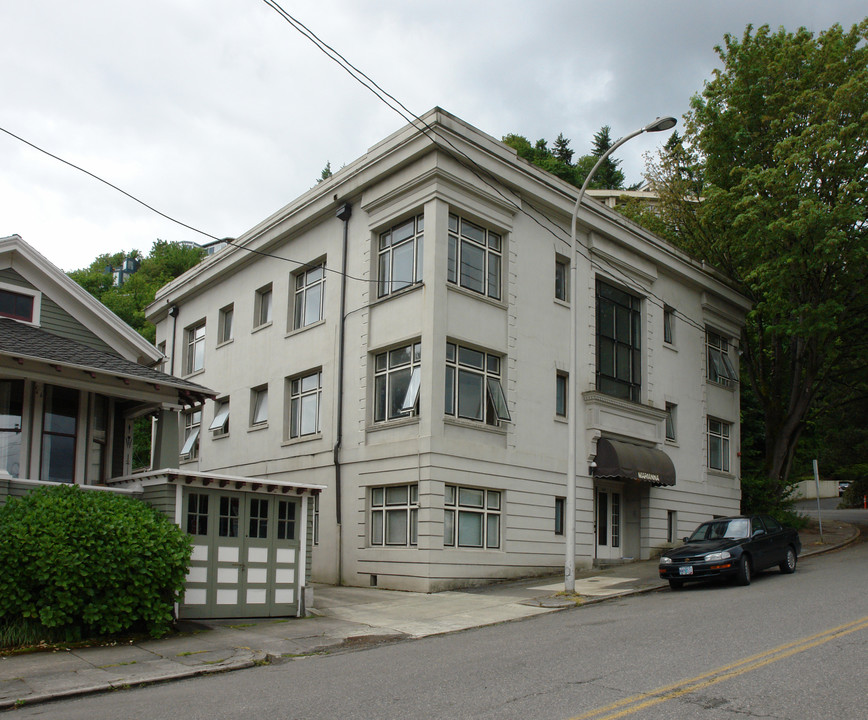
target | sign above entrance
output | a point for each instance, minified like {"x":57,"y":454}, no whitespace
{"x":627,"y":461}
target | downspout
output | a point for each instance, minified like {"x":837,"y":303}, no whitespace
{"x":344,"y":212}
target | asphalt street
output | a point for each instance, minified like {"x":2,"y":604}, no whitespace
{"x":790,"y":647}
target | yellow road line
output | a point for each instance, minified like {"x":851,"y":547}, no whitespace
{"x":640,"y":701}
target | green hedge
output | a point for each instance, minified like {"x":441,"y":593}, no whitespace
{"x":89,"y":561}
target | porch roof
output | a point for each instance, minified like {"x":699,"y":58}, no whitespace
{"x":220,"y":480}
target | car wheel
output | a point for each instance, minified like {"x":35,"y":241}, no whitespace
{"x":788,"y":564}
{"x":676,"y":584}
{"x":744,"y":571}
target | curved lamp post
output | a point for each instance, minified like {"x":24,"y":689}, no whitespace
{"x":570,"y":510}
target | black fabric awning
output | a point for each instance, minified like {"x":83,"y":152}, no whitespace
{"x":617,"y":459}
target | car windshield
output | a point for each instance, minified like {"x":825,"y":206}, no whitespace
{"x":718,"y":529}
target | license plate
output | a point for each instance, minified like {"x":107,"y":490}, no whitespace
{"x":685,"y":570}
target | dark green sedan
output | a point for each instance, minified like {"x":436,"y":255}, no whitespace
{"x":731,"y":547}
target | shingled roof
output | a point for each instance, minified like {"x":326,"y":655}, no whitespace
{"x":18,"y":340}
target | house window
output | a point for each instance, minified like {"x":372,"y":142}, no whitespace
{"x":192,"y":425}
{"x":471,"y":517}
{"x":224,"y":324}
{"x":671,"y":526}
{"x":316,"y":519}
{"x":309,"y":294}
{"x":561,"y":390}
{"x":59,"y":431}
{"x":11,"y":407}
{"x":400,"y":256}
{"x":305,"y":394}
{"x":195,"y":348}
{"x":671,"y":417}
{"x":473,"y":385}
{"x":258,"y":520}
{"x":718,"y":445}
{"x":669,"y":325}
{"x":397,"y":377}
{"x":619,"y":359}
{"x":720,"y":367}
{"x":394,"y":515}
{"x":197,"y":514}
{"x":475,"y":257}
{"x":560,"y":515}
{"x":220,"y":424}
{"x":16,"y":305}
{"x":262,"y":306}
{"x":259,"y":405}
{"x":562,"y":274}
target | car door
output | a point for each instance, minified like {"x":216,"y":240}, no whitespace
{"x":777,"y":540}
{"x":760,"y":544}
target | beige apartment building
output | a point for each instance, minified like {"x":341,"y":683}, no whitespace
{"x":400,"y":335}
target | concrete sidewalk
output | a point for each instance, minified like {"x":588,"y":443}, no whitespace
{"x":343,"y":618}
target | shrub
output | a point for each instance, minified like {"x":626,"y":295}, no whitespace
{"x":89,"y":562}
{"x":758,"y":496}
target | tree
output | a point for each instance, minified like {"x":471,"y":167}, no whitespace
{"x":608,"y":177}
{"x":770,"y":184}
{"x":562,"y":150}
{"x":326,"y":172}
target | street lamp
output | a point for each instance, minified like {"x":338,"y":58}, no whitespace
{"x":570,"y":525}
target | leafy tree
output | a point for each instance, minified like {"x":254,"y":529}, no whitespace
{"x":770,"y":184}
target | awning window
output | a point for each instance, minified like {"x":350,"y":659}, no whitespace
{"x":627,"y":461}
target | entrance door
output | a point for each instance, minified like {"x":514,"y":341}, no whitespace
{"x":608,"y":524}
{"x":245,"y":559}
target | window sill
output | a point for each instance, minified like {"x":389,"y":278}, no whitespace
{"x":388,"y":424}
{"x":399,"y":293}
{"x":713,"y":472}
{"x":670,"y":346}
{"x":562,"y":419}
{"x":226,"y":342}
{"x":296,"y":331}
{"x":476,"y":425}
{"x":261,"y":327}
{"x":219,"y":436}
{"x":188,"y":461}
{"x":477,"y":296}
{"x":303,"y":439}
{"x":562,"y":303}
{"x":729,"y":386}
{"x":255,"y":428}
{"x":193,"y":374}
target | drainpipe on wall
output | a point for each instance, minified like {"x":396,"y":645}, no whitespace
{"x":344,"y":212}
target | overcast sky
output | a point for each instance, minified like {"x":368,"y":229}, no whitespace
{"x":218,"y":112}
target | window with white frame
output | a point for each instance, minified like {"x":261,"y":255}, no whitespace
{"x":475,"y":257}
{"x":397,"y":378}
{"x":194,"y":348}
{"x":262,"y":306}
{"x":561,"y":394}
{"x":473,"y":385}
{"x":720,"y":367}
{"x":560,"y":515}
{"x":224,"y":324}
{"x":619,"y":344}
{"x":308,"y":296}
{"x":399,"y":259}
{"x":718,"y":444}
{"x":471,"y":517}
{"x":394,"y":515}
{"x":305,"y":394}
{"x":562,"y":276}
{"x":220,"y":424}
{"x":259,"y":406}
{"x":192,"y":425}
{"x":669,"y":325}
{"x":671,"y":419}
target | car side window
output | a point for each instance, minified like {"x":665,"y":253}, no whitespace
{"x":771,"y":524}
{"x":757,"y":527}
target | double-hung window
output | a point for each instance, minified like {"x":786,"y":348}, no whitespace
{"x":473,"y":385}
{"x":397,"y":377}
{"x":561,"y":394}
{"x":669,"y":325}
{"x":720,"y":367}
{"x":195,"y":348}
{"x":224,"y":324}
{"x":671,"y":418}
{"x":718,"y":445}
{"x":471,"y":517}
{"x":395,"y":515}
{"x":619,"y":333}
{"x":262,"y":306}
{"x":305,"y":393}
{"x":399,"y":259}
{"x":192,"y":424}
{"x":259,"y":406}
{"x":308,"y":297}
{"x":562,"y":274}
{"x":475,"y":257}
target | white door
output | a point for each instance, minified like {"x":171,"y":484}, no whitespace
{"x":608,"y":524}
